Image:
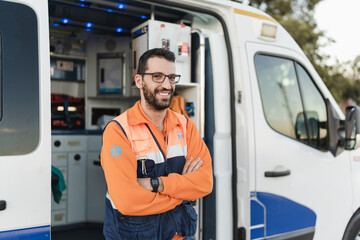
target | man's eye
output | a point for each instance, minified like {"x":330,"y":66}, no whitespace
{"x":172,"y":77}
{"x":157,"y":76}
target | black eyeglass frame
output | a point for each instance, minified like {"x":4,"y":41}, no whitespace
{"x":165,"y":76}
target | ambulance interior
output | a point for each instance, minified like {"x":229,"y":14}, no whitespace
{"x":94,"y":49}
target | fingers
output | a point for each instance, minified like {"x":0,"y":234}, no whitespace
{"x":196,"y":164}
{"x":191,"y":166}
{"x":186,"y":166}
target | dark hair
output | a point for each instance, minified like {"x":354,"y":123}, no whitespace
{"x":155,"y":52}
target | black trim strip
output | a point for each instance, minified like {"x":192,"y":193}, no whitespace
{"x":187,"y":120}
{"x":157,"y":143}
{"x":120,"y":127}
{"x":302,"y":234}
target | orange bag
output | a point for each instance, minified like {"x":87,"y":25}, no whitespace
{"x":178,"y":105}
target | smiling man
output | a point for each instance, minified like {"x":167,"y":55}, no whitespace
{"x":154,"y":160}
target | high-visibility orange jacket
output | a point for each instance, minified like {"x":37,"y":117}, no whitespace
{"x":122,"y":164}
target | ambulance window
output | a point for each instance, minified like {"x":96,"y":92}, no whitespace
{"x":292,"y":104}
{"x":20,"y":122}
{"x":279,"y":93}
{"x":315,"y":110}
{"x":1,"y":80}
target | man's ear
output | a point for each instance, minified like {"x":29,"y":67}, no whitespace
{"x":138,"y":81}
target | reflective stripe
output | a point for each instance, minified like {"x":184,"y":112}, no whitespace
{"x":108,"y":197}
{"x":176,"y":151}
{"x":254,"y":15}
{"x":145,"y":146}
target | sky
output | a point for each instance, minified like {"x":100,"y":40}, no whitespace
{"x":340,"y":21}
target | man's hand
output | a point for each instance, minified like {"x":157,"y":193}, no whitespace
{"x":145,"y":183}
{"x":191,"y":166}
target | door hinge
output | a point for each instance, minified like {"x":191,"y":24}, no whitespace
{"x":239,"y":95}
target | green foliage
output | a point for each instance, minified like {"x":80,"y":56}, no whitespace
{"x":297,"y":17}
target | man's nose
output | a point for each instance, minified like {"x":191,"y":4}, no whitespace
{"x":166,"y":83}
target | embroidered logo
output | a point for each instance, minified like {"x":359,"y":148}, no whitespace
{"x":180,"y":135}
{"x":115,"y":151}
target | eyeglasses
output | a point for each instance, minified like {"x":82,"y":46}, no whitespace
{"x":160,"y":77}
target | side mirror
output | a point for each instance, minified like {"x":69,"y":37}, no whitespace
{"x":352,"y":127}
{"x":310,"y":131}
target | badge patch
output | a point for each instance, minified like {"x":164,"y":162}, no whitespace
{"x":179,"y":135}
{"x":115,"y":151}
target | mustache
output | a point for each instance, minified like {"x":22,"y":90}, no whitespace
{"x":171,"y":90}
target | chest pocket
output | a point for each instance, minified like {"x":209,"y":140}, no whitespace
{"x":147,"y":152}
{"x":140,"y":143}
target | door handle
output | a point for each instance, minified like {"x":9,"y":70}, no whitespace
{"x":2,"y":205}
{"x":277,"y":173}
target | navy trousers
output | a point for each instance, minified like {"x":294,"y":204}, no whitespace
{"x":181,"y":220}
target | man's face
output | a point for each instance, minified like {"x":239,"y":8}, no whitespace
{"x":158,"y":95}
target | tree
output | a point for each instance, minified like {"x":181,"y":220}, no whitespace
{"x":297,"y":17}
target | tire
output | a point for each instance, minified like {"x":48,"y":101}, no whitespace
{"x":352,"y":231}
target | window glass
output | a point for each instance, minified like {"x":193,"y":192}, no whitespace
{"x":280,"y":93}
{"x":20,"y":123}
{"x":292,"y":104}
{"x":1,"y":80}
{"x":315,"y":107}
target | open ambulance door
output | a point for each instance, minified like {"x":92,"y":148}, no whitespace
{"x":24,"y":121}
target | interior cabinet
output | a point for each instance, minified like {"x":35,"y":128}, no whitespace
{"x":69,"y":156}
{"x":96,"y":185}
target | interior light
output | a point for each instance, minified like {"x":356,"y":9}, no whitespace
{"x":71,"y":108}
{"x":119,"y":29}
{"x":88,"y":29}
{"x":121,"y":6}
{"x":56,"y":24}
{"x":88,"y":24}
{"x":143,"y":17}
{"x":109,"y":10}
{"x":83,"y":5}
{"x":65,"y":21}
{"x":138,"y":32}
{"x":60,"y":108}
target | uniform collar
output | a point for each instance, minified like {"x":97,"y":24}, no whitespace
{"x":136,"y":115}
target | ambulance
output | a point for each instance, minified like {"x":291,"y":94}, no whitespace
{"x":283,"y":152}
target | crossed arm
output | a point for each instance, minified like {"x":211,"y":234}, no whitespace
{"x":190,"y":166}
{"x":133,"y":196}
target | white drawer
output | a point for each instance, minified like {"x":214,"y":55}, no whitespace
{"x":59,"y":159}
{"x":58,"y":217}
{"x":61,"y":205}
{"x":62,"y":143}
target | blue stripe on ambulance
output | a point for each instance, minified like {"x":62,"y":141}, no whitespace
{"x":273,"y":215}
{"x":36,"y":233}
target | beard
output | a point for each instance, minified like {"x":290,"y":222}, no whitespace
{"x":150,"y":97}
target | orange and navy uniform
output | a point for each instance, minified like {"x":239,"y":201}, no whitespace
{"x":134,"y":147}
